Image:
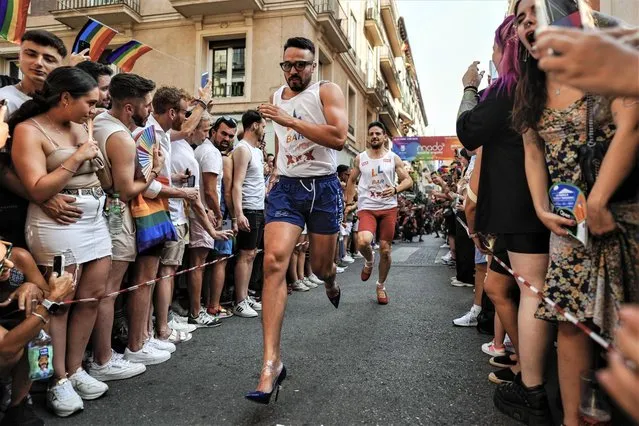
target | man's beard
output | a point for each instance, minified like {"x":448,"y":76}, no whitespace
{"x":138,"y":120}
{"x":297,"y":84}
{"x":177,"y":124}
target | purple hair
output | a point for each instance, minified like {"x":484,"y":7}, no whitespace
{"x":509,"y":71}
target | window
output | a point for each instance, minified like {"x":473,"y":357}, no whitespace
{"x":371,"y":75}
{"x":228,"y":73}
{"x":352,"y":110}
{"x":323,"y":67}
{"x":103,"y":58}
{"x":14,"y":68}
{"x":352,"y":31}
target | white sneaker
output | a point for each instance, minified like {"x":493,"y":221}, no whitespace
{"x":204,"y":320}
{"x":148,"y":355}
{"x":63,"y":400}
{"x":348,"y":259}
{"x":447,"y":257}
{"x":376,"y":247}
{"x":445,"y":245}
{"x":340,"y":270}
{"x":161,"y":345}
{"x":257,"y":306}
{"x":308,"y":283}
{"x":313,"y":278}
{"x":357,"y":255}
{"x":244,"y":310}
{"x":117,"y":368}
{"x":179,"y":318}
{"x":469,"y":319}
{"x":86,"y":386}
{"x":299,"y":286}
{"x":490,"y":349}
{"x":457,"y":283}
{"x":180,"y":326}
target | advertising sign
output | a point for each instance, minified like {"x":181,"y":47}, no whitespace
{"x":426,"y":148}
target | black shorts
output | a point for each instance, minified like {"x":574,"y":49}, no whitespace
{"x":451,"y":225}
{"x":250,"y":240}
{"x":527,"y":243}
{"x":500,"y":251}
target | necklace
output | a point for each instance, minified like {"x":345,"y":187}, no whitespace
{"x":558,"y":90}
{"x":54,"y":126}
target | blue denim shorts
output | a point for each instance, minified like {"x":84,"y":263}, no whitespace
{"x":315,"y":202}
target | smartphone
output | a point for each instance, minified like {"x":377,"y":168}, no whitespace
{"x":204,"y":79}
{"x":58,"y":264}
{"x":561,"y":13}
{"x":190,"y":181}
{"x":83,"y":44}
{"x":492,"y":69}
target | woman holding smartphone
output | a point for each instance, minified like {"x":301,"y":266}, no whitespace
{"x":561,"y":125}
{"x":52,"y":154}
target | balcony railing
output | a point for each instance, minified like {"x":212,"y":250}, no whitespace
{"x":334,"y":19}
{"x":83,"y":4}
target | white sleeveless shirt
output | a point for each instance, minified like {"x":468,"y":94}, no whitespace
{"x":253,"y":189}
{"x":298,"y":156}
{"x":376,"y":175}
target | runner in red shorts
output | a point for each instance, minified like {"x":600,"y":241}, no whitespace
{"x":378,"y":169}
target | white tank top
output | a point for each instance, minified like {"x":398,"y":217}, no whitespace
{"x":298,"y":156}
{"x":104,"y":125}
{"x":253,"y":189}
{"x":376,"y":175}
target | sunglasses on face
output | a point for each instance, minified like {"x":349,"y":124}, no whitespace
{"x":299,"y":65}
{"x":7,"y":255}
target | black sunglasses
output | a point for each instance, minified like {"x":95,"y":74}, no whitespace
{"x":226,"y":119}
{"x":299,"y":65}
{"x":7,"y":255}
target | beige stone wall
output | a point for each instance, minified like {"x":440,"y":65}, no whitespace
{"x":627,"y":10}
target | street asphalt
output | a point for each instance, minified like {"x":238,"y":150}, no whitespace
{"x":400,"y":364}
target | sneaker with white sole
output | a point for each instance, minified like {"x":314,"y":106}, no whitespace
{"x":308,"y":283}
{"x":469,"y":319}
{"x":339,"y":270}
{"x":457,"y":283}
{"x":299,"y":286}
{"x":257,"y":306}
{"x":357,"y":255}
{"x":179,"y":318}
{"x":161,"y":345}
{"x":244,"y":310}
{"x":204,"y":320}
{"x":148,"y":355}
{"x":117,"y":368}
{"x":181,"y":326}
{"x":490,"y":349}
{"x":86,"y":386}
{"x":348,"y":259}
{"x":313,"y":278}
{"x":63,"y":400}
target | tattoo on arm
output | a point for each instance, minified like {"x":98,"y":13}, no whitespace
{"x":469,"y":101}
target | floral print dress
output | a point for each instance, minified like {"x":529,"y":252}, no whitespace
{"x":589,"y":282}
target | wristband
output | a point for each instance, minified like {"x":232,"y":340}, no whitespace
{"x":473,"y":88}
{"x":43,"y":319}
{"x":201,"y":102}
{"x":472,"y":235}
{"x":395,"y":188}
{"x":156,"y":174}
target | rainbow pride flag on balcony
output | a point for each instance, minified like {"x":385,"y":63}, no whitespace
{"x":13,"y":19}
{"x":97,"y":35}
{"x":126,"y":55}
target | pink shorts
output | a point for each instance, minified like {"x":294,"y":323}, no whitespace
{"x":382,"y":220}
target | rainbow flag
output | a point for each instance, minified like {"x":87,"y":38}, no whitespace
{"x":97,"y":35}
{"x":126,"y":55}
{"x":13,"y":19}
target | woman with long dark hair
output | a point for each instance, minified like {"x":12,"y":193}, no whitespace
{"x":565,"y":130}
{"x":52,"y":154}
{"x":505,"y":209}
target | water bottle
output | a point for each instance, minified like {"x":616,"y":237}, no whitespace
{"x":40,"y":354}
{"x":115,"y":215}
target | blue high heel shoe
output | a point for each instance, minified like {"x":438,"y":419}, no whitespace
{"x":265,"y":397}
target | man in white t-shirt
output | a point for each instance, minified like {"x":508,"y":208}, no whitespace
{"x":212,"y":172}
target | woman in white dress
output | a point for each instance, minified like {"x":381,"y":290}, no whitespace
{"x":52,"y":153}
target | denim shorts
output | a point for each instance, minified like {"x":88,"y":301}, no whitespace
{"x":314,"y":202}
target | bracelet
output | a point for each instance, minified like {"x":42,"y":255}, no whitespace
{"x":43,"y":319}
{"x":202,"y":103}
{"x":472,"y":235}
{"x":395,"y":188}
{"x":473,"y":88}
{"x":68,"y":170}
{"x":156,"y":174}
